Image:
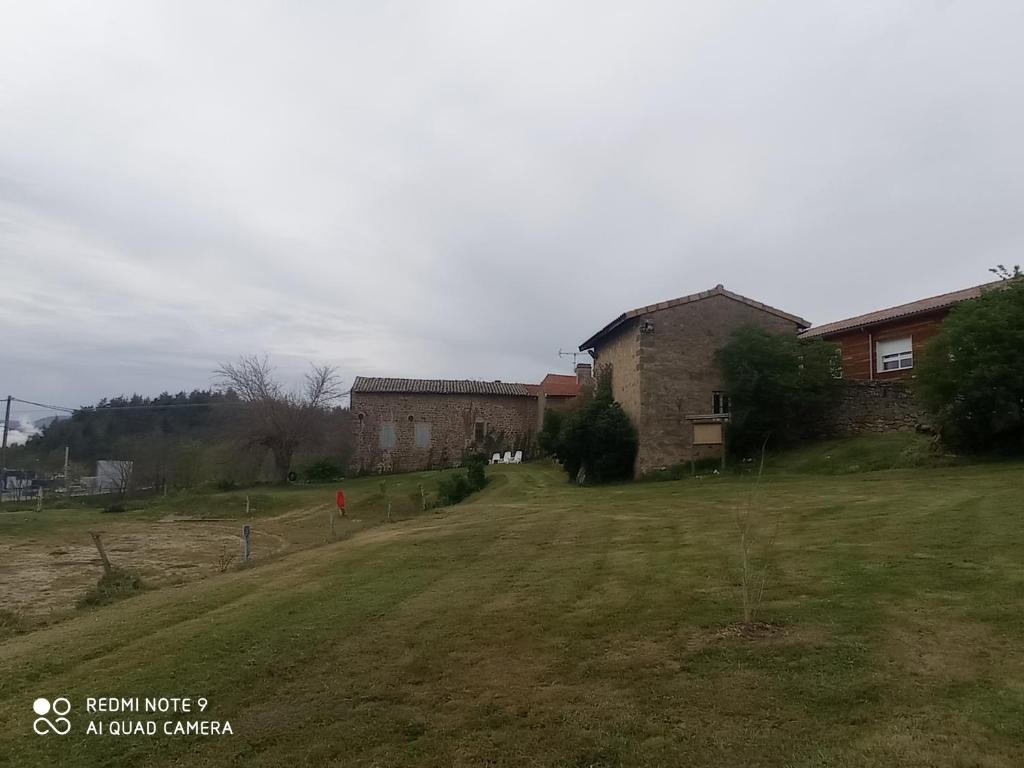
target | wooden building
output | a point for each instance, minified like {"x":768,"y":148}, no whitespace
{"x":884,"y":344}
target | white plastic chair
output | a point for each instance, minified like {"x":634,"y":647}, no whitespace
{"x":496,"y":458}
{"x":507,"y":458}
{"x":518,"y":458}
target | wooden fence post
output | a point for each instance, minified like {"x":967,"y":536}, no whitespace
{"x":107,"y":569}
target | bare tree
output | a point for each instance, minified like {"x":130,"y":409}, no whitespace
{"x":277,"y":418}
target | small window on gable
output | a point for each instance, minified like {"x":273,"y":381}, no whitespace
{"x":719,"y":403}
{"x":422,"y":430}
{"x":386,"y":438}
{"x":895,"y":354}
{"x":480,"y":431}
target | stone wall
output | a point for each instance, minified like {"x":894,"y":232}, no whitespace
{"x":873,"y":406}
{"x":678,"y":373}
{"x":446,"y":426}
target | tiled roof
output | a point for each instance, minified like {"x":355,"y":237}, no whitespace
{"x":718,"y":290}
{"x":560,"y":385}
{"x":903,"y":310}
{"x":437,"y":387}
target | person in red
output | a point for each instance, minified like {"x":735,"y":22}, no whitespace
{"x":341,"y":502}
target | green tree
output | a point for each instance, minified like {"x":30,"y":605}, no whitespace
{"x":971,"y":375}
{"x":597,"y":438}
{"x":777,"y":386}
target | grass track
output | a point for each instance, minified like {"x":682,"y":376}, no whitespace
{"x":542,"y":624}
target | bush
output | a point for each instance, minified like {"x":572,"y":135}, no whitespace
{"x":226,"y":485}
{"x":322,"y":471}
{"x":548,"y":438}
{"x":114,"y":508}
{"x":971,"y":375}
{"x":457,"y":486}
{"x":111,"y":587}
{"x":777,"y":385}
{"x":597,"y":442}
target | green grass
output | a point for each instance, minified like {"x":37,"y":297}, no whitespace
{"x":865,"y":453}
{"x":544,"y":624}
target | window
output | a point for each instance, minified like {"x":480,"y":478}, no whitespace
{"x":895,"y":354}
{"x":719,"y":403}
{"x":423,"y":435}
{"x":387,"y":435}
{"x":480,"y":431}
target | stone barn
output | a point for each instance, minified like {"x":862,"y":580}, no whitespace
{"x":404,"y":425}
{"x":661,"y":359}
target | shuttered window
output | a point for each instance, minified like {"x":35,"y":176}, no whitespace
{"x":895,"y":354}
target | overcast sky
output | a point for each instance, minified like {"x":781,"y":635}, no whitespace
{"x":459,"y":189}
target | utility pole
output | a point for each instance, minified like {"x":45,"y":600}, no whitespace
{"x":67,"y":451}
{"x":3,"y":449}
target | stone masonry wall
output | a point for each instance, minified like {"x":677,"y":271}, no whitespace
{"x":873,"y":406}
{"x":508,"y":421}
{"x":619,"y":355}
{"x":678,"y":374}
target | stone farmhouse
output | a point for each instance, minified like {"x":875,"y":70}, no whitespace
{"x":661,"y":362}
{"x":404,"y":425}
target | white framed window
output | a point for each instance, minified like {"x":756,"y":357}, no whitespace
{"x":719,"y":403}
{"x":894,"y":354}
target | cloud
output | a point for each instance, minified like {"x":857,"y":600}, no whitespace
{"x":461,"y":189}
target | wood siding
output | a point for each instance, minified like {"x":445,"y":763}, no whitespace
{"x":859,"y":345}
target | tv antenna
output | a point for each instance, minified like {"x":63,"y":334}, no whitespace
{"x":573,"y":355}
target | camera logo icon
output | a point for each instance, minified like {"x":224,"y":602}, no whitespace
{"x":60,"y":725}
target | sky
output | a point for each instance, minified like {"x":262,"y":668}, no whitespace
{"x":462,"y":189}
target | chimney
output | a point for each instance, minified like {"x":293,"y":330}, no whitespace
{"x":584,"y":375}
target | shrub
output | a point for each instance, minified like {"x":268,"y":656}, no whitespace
{"x":971,"y":375}
{"x":777,"y":385}
{"x":597,"y":442}
{"x":114,"y":508}
{"x":111,"y":587}
{"x":548,"y":438}
{"x":322,"y":471}
{"x":476,"y":473}
{"x":226,"y":485}
{"x":457,"y":486}
{"x":453,"y":489}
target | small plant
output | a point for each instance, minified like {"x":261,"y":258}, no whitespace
{"x":226,"y":559}
{"x":111,"y":587}
{"x":13,"y":623}
{"x":115,"y":508}
{"x":226,"y":485}
{"x":752,"y":576}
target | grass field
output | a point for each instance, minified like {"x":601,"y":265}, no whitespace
{"x":543,"y":624}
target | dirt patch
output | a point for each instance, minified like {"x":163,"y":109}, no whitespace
{"x":38,"y":578}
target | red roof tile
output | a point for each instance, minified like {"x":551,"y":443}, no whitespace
{"x":560,"y":385}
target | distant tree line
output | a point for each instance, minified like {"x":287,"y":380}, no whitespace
{"x":233,"y":436}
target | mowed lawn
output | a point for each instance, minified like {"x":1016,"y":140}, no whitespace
{"x":542,"y":624}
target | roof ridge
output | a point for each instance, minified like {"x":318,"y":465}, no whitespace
{"x":906,"y":309}
{"x":718,"y":290}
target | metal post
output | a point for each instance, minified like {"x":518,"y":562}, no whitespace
{"x":67,"y":452}
{"x":330,"y":512}
{"x":39,"y":499}
{"x":246,"y":542}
